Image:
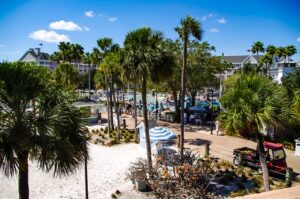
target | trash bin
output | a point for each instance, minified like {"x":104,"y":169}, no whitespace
{"x":297,"y":148}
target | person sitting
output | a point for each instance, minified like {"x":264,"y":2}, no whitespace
{"x":192,"y":118}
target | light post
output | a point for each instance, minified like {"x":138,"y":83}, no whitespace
{"x":89,"y":80}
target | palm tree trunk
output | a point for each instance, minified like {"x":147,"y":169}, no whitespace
{"x":183,"y":77}
{"x":148,"y":145}
{"x":23,"y":175}
{"x":220,"y":85}
{"x":135,"y":114}
{"x":107,"y":106}
{"x":110,"y":105}
{"x":263,"y":162}
{"x":177,"y":106}
{"x":193,"y":95}
{"x":116,"y":108}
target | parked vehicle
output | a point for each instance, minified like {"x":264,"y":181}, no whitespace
{"x":275,"y":156}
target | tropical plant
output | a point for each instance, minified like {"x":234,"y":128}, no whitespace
{"x":257,"y":47}
{"x":267,"y":60}
{"x":111,"y":67}
{"x":106,"y":45}
{"x":290,"y":51}
{"x":255,"y":101}
{"x":66,"y":74}
{"x":143,"y":53}
{"x":281,"y":52}
{"x":271,"y":50}
{"x":50,"y":133}
{"x":188,"y":27}
{"x":77,"y":52}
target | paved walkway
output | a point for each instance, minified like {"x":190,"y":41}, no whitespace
{"x":288,"y":193}
{"x":222,"y":146}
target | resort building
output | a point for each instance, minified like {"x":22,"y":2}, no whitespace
{"x":43,"y":59}
{"x":38,"y":57}
{"x":278,"y":69}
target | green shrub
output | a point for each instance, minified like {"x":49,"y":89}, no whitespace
{"x":238,"y":193}
{"x":240,"y":185}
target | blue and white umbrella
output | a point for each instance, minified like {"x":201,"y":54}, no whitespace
{"x":156,"y":134}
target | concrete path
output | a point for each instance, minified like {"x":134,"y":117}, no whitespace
{"x":288,"y":193}
{"x":222,"y":146}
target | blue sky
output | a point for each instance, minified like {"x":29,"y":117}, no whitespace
{"x":230,"y":25}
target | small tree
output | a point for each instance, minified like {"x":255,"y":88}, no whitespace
{"x":51,"y":133}
{"x":252,"y":102}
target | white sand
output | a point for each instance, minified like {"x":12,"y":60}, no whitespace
{"x":106,"y":171}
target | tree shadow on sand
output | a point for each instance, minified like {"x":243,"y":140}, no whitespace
{"x":197,"y":142}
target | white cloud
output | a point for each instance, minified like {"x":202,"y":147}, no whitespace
{"x":221,"y":20}
{"x":86,"y":28}
{"x":89,"y":13}
{"x":214,"y":30}
{"x":49,"y":36}
{"x":298,"y":39}
{"x":64,"y":25}
{"x":112,"y":19}
{"x":210,"y":15}
{"x":203,"y":18}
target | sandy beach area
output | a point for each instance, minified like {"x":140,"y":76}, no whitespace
{"x":106,"y":171}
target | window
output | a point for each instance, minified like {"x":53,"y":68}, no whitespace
{"x":278,"y":154}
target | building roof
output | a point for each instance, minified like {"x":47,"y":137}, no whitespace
{"x":36,"y":55}
{"x":235,"y":59}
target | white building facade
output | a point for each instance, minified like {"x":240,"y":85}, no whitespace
{"x":278,"y":69}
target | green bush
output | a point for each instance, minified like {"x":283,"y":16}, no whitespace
{"x":238,"y":193}
{"x":240,"y":185}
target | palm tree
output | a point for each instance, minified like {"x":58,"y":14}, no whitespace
{"x":111,"y":67}
{"x":267,"y":59}
{"x":252,"y":102}
{"x":271,"y":50}
{"x":52,"y":133}
{"x":106,"y":45}
{"x":290,"y":51}
{"x":66,"y":74}
{"x":86,"y":58}
{"x":189,"y":27}
{"x":77,"y":51}
{"x":65,"y":51}
{"x":257,"y":47}
{"x":142,"y":53}
{"x":281,"y":52}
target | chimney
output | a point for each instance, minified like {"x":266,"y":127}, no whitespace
{"x":37,"y":51}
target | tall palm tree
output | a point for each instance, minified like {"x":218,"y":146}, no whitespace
{"x":271,"y":50}
{"x":106,"y":45}
{"x":252,"y":102}
{"x":189,"y":27}
{"x":111,"y":67}
{"x":86,"y":58}
{"x":77,"y":51}
{"x":66,"y":74}
{"x":257,"y":47}
{"x":290,"y":51}
{"x":281,"y":52}
{"x":65,"y":51}
{"x":142,"y":53}
{"x":52,"y":133}
{"x":267,"y":59}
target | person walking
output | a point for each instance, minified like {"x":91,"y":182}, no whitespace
{"x":217,"y":123}
{"x":185,"y":118}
